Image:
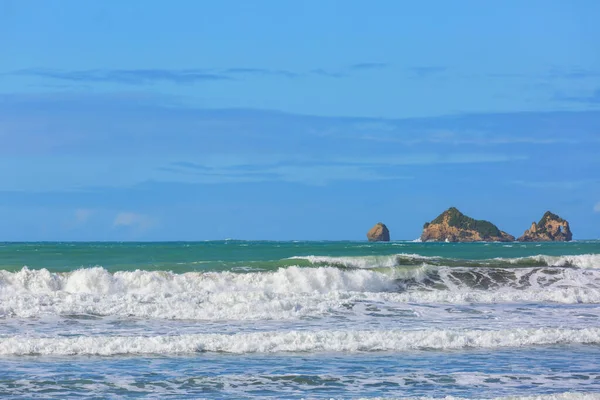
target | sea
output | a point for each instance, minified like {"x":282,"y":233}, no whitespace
{"x":300,"y":320}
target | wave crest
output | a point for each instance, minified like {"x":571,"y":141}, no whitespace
{"x":587,"y":261}
{"x":98,"y":280}
{"x":298,"y":341}
{"x":287,"y":293}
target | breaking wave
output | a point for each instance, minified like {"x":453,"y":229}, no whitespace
{"x":291,"y":292}
{"x":297,"y":341}
{"x":588,"y":261}
{"x":286,"y":293}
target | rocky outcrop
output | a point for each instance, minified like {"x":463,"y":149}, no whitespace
{"x":454,"y":226}
{"x":379,"y":233}
{"x":551,"y":228}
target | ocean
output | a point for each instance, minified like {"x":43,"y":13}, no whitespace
{"x":257,"y":319}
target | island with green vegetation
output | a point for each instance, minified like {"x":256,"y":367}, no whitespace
{"x":551,"y":228}
{"x":454,"y":226}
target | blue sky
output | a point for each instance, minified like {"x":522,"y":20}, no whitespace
{"x":196,"y":120}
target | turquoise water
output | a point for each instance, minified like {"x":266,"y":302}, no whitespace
{"x":237,"y":319}
{"x":223,"y":255}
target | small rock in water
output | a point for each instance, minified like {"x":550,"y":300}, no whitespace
{"x":379,"y":233}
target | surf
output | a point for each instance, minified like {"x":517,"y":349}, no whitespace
{"x":298,"y":341}
{"x":588,"y":261}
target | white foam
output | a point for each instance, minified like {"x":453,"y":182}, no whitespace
{"x":554,"y":396}
{"x":590,"y":261}
{"x":99,"y":281}
{"x":506,"y":295}
{"x":364,"y":262}
{"x":283,"y":294}
{"x":288,"y":293}
{"x":297,"y":341}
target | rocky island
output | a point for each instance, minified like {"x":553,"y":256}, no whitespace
{"x":379,"y":233}
{"x":454,"y":226}
{"x":551,"y":228}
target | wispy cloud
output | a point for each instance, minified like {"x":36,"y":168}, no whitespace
{"x":555,"y":185}
{"x":44,"y":138}
{"x":186,"y":164}
{"x":145,"y":76}
{"x":78,"y":218}
{"x":136,"y":221}
{"x":551,"y":74}
{"x":306,"y":173}
{"x":573,"y":73}
{"x":82,"y":215}
{"x":183,"y":76}
{"x":597,"y":207}
{"x":473,"y":138}
{"x":262,"y":71}
{"x":434,"y":159}
{"x":312,"y":171}
{"x":367,"y":65}
{"x":427,"y":71}
{"x":129,"y":76}
{"x":327,"y":74}
{"x":593,"y":98}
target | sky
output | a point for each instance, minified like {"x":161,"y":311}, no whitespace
{"x":311,"y":120}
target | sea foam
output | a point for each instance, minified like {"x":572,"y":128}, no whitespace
{"x":554,"y":396}
{"x":283,"y":294}
{"x":297,"y":341}
{"x":589,"y":261}
{"x":99,"y":281}
{"x":287,"y":293}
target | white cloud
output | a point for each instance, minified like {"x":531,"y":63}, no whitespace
{"x":597,"y":207}
{"x":82,"y":215}
{"x":133,"y":220}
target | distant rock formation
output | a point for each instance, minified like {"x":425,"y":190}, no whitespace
{"x":551,"y":228}
{"x":379,"y":233}
{"x":454,"y":226}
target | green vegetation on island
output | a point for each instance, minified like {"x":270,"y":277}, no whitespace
{"x":550,"y":215}
{"x":461,"y":221}
{"x":454,"y":226}
{"x":551,"y":228}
